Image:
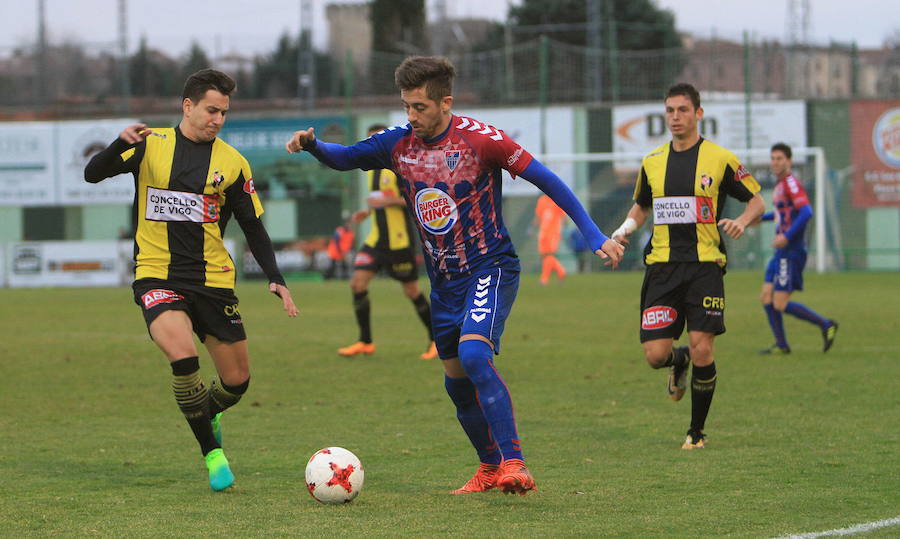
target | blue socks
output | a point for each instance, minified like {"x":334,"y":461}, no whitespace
{"x":803,"y":312}
{"x":462,"y":393}
{"x":776,"y":322}
{"x":476,"y":358}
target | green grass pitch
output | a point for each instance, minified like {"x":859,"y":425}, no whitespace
{"x":93,"y":443}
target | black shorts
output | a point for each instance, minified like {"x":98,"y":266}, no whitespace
{"x":213,"y":311}
{"x":675,"y":291}
{"x":400,"y":264}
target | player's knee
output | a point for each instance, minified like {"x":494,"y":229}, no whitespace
{"x":411,"y":290}
{"x":656,"y":358}
{"x":474,"y":356}
{"x":237,"y":376}
{"x":357,"y":286}
{"x":701,"y":353}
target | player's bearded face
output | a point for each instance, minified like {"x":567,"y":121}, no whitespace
{"x":427,"y":117}
{"x":206,"y":117}
{"x":681,"y":116}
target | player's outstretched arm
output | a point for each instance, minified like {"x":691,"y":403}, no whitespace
{"x":556,"y":189}
{"x":365,"y":154}
{"x":109,"y":163}
{"x":753,"y":211}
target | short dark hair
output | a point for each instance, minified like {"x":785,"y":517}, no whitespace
{"x":374,"y":128}
{"x":196,"y":86}
{"x":687,"y":90}
{"x":435,"y":73}
{"x":783,"y":148}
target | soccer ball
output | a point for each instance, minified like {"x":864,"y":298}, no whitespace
{"x":334,"y":475}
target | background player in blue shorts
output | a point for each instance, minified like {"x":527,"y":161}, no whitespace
{"x":784,"y":274}
{"x":448,"y":169}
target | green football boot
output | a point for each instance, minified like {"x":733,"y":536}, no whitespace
{"x":220,"y":476}
{"x":828,"y":335}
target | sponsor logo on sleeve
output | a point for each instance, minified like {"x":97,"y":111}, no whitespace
{"x":658,"y":317}
{"x":157,"y":296}
{"x":248,"y":187}
{"x":741,"y":174}
{"x":436,"y":211}
{"x":514,"y":157}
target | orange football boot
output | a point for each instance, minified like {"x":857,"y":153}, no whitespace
{"x":358,"y":348}
{"x":514,"y":477}
{"x":483,"y":480}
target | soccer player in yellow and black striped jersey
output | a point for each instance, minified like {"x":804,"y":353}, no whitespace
{"x":188,"y":184}
{"x":684,"y":183}
{"x":389,"y":246}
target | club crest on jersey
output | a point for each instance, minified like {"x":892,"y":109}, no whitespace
{"x":217,"y":178}
{"x":451,"y":157}
{"x":436,"y":211}
{"x":705,"y":181}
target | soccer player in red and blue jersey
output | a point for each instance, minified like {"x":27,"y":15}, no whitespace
{"x":784,"y":273}
{"x":448,"y":169}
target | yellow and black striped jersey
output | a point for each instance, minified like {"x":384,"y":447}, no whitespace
{"x":685,"y":192}
{"x":185,"y":193}
{"x":391,"y":229}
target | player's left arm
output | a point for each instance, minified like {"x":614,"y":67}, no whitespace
{"x":551,"y":184}
{"x":752,"y":212}
{"x":738,"y":183}
{"x":800,"y":200}
{"x":247,"y":209}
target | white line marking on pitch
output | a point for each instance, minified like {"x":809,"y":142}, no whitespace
{"x":859,"y":528}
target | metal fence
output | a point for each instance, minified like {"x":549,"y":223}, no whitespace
{"x":82,"y":79}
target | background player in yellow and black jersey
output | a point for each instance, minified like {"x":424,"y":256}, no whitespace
{"x":684,"y":183}
{"x":389,"y":246}
{"x":188,"y":184}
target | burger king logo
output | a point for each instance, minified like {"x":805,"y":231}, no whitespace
{"x":886,"y":138}
{"x":436,"y":210}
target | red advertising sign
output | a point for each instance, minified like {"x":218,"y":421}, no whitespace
{"x":875,"y":153}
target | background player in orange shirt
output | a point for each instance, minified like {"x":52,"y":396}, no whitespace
{"x":549,"y":218}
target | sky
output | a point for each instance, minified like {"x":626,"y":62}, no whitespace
{"x":251,"y":27}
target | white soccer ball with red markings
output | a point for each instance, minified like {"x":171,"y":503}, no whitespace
{"x":334,"y":475}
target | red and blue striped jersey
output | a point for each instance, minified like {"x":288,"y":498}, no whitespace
{"x":789,"y":197}
{"x":452,"y":187}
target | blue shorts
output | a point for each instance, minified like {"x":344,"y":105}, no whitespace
{"x":785,"y":271}
{"x":479,"y":305}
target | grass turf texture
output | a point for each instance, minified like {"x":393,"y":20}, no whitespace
{"x":93,"y":443}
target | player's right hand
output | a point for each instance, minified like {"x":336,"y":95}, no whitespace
{"x":135,"y":133}
{"x":286,"y":300}
{"x":359,"y":216}
{"x":611,"y":250}
{"x":300,"y":140}
{"x":621,"y":238}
